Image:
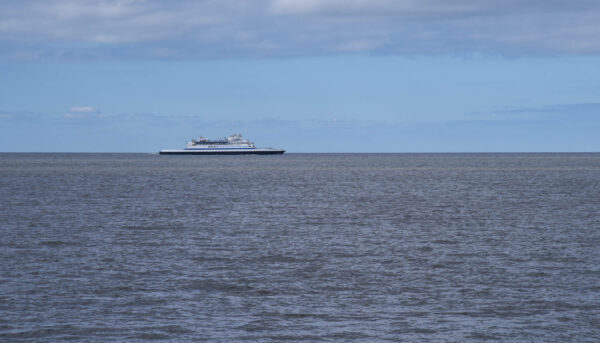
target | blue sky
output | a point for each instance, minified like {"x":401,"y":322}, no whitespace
{"x":308,"y":76}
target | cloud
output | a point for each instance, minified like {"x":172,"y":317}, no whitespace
{"x":20,"y":116}
{"x":81,"y":112}
{"x":575,"y":111}
{"x":117,"y":29}
{"x":83,"y":109}
{"x":411,"y":8}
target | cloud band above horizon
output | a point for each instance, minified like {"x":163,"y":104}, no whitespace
{"x":133,"y":29}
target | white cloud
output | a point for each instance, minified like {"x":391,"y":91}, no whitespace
{"x":81,"y":112}
{"x":415,"y":8}
{"x":97,"y":29}
{"x":74,"y":115}
{"x":82,"y":109}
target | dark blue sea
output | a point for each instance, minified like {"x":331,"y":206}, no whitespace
{"x":300,"y":248}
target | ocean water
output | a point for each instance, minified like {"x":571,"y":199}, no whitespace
{"x":300,"y":247}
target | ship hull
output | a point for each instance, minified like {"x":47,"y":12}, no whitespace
{"x":223,"y":152}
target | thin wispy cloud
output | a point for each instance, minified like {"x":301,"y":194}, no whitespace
{"x":81,"y":112}
{"x":21,"y":116}
{"x":109,"y":29}
{"x":575,"y":111}
{"x":83,"y":109}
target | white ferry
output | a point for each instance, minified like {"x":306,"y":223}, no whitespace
{"x":232,"y":145}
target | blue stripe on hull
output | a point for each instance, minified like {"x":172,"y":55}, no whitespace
{"x":239,"y":152}
{"x":219,"y":149}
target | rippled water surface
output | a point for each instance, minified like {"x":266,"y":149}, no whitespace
{"x":300,"y":247}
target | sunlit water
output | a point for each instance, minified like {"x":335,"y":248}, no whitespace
{"x":300,"y":247}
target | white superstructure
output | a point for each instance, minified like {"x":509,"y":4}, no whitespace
{"x":234,"y":141}
{"x":234,"y":144}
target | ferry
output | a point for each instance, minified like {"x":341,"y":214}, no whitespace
{"x":233,"y":145}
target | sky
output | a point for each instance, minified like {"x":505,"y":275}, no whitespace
{"x":303,"y":75}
